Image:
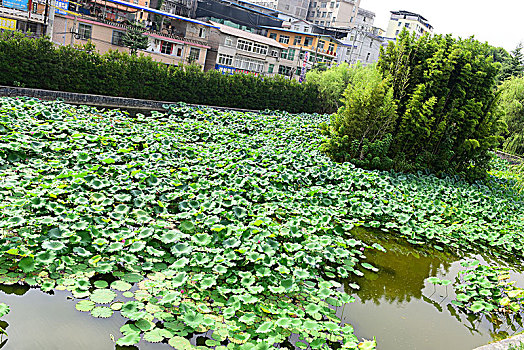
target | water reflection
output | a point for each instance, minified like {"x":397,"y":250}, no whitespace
{"x":402,"y":270}
{"x":403,"y":311}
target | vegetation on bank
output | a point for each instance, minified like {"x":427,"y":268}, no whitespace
{"x":37,"y":63}
{"x":430,"y":104}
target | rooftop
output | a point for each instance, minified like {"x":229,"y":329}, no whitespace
{"x":407,"y":13}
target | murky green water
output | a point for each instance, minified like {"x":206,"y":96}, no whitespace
{"x":404,"y":312}
{"x":395,"y":305}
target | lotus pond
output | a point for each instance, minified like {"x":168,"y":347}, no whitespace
{"x":228,"y":224}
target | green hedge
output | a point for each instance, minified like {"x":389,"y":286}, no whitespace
{"x":37,"y":63}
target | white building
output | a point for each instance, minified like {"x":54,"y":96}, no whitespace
{"x":359,"y":46}
{"x":410,"y":21}
{"x":295,"y":8}
{"x":365,"y":20}
{"x":334,"y":13}
{"x":237,"y":51}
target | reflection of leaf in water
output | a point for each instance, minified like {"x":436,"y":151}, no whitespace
{"x":2,"y":344}
{"x":432,"y":302}
{"x":15,"y":289}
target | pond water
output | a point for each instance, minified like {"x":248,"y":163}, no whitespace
{"x":404,"y":312}
{"x":396,"y":305}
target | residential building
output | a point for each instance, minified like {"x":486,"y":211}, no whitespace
{"x":410,"y":21}
{"x":364,"y":20}
{"x":296,"y":8}
{"x":24,"y":15}
{"x":302,"y":50}
{"x":237,"y":51}
{"x":359,"y":47}
{"x":334,"y":13}
{"x":186,"y":8}
{"x":175,"y":40}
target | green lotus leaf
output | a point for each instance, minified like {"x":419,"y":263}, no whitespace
{"x":102,"y":312}
{"x":265,"y":327}
{"x":129,"y":339}
{"x":154,"y":336}
{"x":193,"y":319}
{"x":102,"y":296}
{"x":201,"y":239}
{"x":53,"y":245}
{"x":132,"y":277}
{"x":27,"y":264}
{"x":187,"y":226}
{"x":144,"y":325}
{"x":120,"y":285}
{"x":4,"y":309}
{"x":180,"y":343}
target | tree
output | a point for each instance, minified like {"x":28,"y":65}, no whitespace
{"x":512,"y":108}
{"x":135,"y":39}
{"x":446,"y":97}
{"x":360,"y":131}
{"x":331,"y":83}
{"x":513,"y":65}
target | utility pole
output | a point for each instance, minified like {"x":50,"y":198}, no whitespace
{"x":50,"y":24}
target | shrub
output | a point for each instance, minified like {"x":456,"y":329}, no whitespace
{"x":360,"y":132}
{"x":37,"y":63}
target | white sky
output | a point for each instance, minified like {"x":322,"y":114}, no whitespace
{"x":499,"y":22}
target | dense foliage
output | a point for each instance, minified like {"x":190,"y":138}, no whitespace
{"x":360,"y":131}
{"x":444,"y":92}
{"x":512,"y":64}
{"x":37,"y":63}
{"x":331,"y":83}
{"x":135,"y":39}
{"x":512,"y":107}
{"x":195,"y":220}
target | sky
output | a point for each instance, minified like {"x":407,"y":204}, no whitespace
{"x":500,"y":22}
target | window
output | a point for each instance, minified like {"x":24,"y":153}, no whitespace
{"x":332,"y":5}
{"x":261,"y":49}
{"x":296,"y":27}
{"x":35,"y":7}
{"x":407,"y":25}
{"x":84,"y":30}
{"x":367,"y":57}
{"x":306,"y":29}
{"x":270,"y":68}
{"x":371,"y":43}
{"x":273,"y":36}
{"x":244,"y":45}
{"x":283,"y":54}
{"x":337,"y":4}
{"x":298,"y":40}
{"x":249,"y":64}
{"x":348,"y":50}
{"x":308,"y":41}
{"x":228,"y":41}
{"x":179,"y":51}
{"x":321,"y":44}
{"x":291,"y":54}
{"x":202,"y":32}
{"x":166,"y":47}
{"x":331,"y":47}
{"x":117,"y":37}
{"x":312,"y":15}
{"x":194,"y":54}
{"x":396,"y":33}
{"x":284,"y":39}
{"x":274,"y":53}
{"x":226,"y":60}
{"x":323,"y":5}
{"x":324,"y":14}
{"x":364,"y":19}
{"x":284,"y":70}
{"x":399,"y":24}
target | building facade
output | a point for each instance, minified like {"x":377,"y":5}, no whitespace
{"x":334,"y":13}
{"x":175,"y":41}
{"x":359,"y":47}
{"x":302,"y":50}
{"x":295,"y":8}
{"x":405,"y":20}
{"x":25,"y":16}
{"x":236,"y":51}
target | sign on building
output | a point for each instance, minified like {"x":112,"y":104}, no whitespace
{"x":63,"y":4}
{"x":7,"y":23}
{"x":16,"y":4}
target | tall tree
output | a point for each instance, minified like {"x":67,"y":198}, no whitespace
{"x":513,"y":66}
{"x":135,"y":39}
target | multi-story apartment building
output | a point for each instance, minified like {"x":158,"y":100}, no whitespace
{"x":359,"y":47}
{"x":24,"y":15}
{"x":410,"y":21}
{"x":237,"y":51}
{"x":334,"y":13}
{"x":364,"y":20}
{"x":177,"y":40}
{"x":295,"y":8}
{"x":303,"y":49}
